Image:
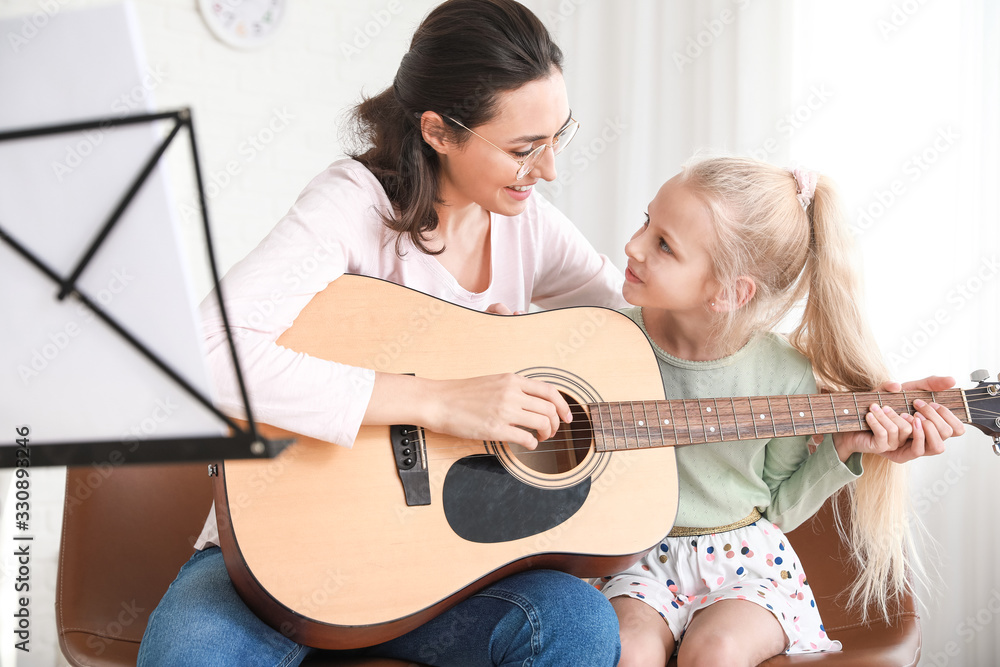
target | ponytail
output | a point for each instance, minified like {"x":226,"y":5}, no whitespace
{"x":405,"y":166}
{"x":835,"y":336}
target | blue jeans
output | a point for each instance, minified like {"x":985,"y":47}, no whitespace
{"x":538,"y":618}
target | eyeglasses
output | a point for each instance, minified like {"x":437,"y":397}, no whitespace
{"x":528,"y":162}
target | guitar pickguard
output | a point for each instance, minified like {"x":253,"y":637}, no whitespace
{"x":484,"y":503}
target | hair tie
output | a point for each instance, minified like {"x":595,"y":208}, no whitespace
{"x":805,"y":185}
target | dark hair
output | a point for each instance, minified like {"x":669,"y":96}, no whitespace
{"x":462,"y":55}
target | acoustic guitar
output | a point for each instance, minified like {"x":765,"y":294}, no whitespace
{"x":347,"y":547}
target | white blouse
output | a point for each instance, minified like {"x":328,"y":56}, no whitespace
{"x":334,"y":228}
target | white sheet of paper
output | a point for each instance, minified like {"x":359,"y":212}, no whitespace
{"x":63,"y":372}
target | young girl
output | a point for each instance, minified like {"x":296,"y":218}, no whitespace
{"x":728,"y":248}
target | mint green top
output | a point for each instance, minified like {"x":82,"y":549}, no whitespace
{"x":720,"y":483}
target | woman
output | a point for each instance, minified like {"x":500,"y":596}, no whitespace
{"x":451,"y":212}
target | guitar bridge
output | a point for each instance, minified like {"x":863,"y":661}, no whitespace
{"x":411,"y":463}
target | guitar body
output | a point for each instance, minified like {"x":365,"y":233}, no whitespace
{"x":321,"y":541}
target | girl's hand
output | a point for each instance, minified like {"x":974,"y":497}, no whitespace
{"x":505,"y":407}
{"x":932,"y":425}
{"x":936,"y":422}
{"x":889,"y":431}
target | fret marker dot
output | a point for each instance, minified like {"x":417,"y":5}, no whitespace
{"x":712,"y":429}
{"x":762,"y":416}
{"x":845,"y":411}
{"x":666,"y":421}
{"x":640,"y":422}
{"x":708,"y":409}
{"x":802,"y":414}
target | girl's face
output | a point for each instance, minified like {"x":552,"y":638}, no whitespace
{"x":669,"y":258}
{"x":477,"y":172}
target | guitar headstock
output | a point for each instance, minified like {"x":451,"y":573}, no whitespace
{"x":984,"y":406}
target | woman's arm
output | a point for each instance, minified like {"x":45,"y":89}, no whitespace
{"x":318,"y":240}
{"x":332,"y":229}
{"x":505,"y":407}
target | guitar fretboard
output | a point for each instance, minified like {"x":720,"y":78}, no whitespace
{"x":642,"y":424}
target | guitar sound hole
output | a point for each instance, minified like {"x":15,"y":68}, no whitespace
{"x":566,"y":449}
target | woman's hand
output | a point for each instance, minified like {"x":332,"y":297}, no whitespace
{"x":506,"y":407}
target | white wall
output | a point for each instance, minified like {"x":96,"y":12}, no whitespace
{"x":863,"y":99}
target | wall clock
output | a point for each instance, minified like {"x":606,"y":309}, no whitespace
{"x":243,"y":24}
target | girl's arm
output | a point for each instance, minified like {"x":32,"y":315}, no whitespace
{"x":799,"y":491}
{"x":801,"y":482}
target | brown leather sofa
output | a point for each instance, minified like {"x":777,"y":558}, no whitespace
{"x":126,"y":534}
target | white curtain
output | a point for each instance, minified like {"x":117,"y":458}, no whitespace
{"x":651,"y":82}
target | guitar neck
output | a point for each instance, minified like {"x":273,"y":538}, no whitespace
{"x":643,"y":424}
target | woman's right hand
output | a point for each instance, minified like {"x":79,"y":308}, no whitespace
{"x":505,"y":407}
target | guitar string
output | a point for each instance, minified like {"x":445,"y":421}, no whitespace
{"x":626,"y":432}
{"x":587,"y":447}
{"x":632,"y":430}
{"x":828,"y":415}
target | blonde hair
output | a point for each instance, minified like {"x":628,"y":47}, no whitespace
{"x":793,"y":253}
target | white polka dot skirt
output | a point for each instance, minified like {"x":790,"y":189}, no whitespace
{"x":754,"y":563}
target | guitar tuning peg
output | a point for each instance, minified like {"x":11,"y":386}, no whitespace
{"x":980,"y":376}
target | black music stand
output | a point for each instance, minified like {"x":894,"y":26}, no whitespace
{"x":243,"y":442}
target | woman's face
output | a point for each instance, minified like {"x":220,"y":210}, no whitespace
{"x":479,"y":173}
